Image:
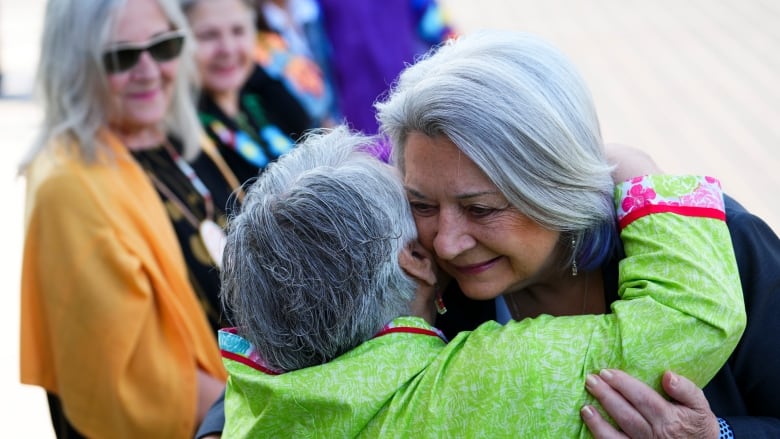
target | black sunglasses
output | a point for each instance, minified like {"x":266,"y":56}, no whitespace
{"x":125,"y":56}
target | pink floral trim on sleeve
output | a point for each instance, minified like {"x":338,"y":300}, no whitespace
{"x":683,"y":195}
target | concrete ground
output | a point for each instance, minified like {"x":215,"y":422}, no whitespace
{"x":695,"y":83}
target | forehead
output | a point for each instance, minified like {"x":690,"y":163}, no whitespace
{"x":221,"y":10}
{"x":139,"y":20}
{"x":435,"y":166}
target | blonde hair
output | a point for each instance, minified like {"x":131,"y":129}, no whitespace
{"x":73,"y":89}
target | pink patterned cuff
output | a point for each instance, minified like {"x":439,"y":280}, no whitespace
{"x":683,"y":195}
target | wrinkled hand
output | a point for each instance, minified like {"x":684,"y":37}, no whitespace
{"x":642,"y":413}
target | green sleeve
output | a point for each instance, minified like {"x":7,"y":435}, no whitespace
{"x":681,"y":309}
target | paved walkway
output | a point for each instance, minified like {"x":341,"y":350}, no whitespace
{"x":693,"y":82}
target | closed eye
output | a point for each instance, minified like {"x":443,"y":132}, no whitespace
{"x":422,"y":209}
{"x":481,"y":211}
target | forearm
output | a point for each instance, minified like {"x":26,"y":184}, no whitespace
{"x":681,"y":262}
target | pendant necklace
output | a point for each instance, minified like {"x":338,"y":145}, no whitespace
{"x":211,"y":234}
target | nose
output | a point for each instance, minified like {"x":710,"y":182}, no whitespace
{"x":147,"y":67}
{"x":225,"y":44}
{"x":452,"y":236}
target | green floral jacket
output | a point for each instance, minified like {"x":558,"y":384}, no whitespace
{"x":681,"y":308}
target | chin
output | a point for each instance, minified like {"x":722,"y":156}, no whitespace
{"x":474,"y":292}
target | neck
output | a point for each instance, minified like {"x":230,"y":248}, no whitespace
{"x":572,"y":295}
{"x":141,"y":138}
{"x":227,"y":102}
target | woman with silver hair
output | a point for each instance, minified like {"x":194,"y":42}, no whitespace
{"x":319,"y":276}
{"x":496,"y":124}
{"x":122,"y":234}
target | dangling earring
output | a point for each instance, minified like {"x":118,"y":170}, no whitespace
{"x":440,"y":307}
{"x":573,"y":258}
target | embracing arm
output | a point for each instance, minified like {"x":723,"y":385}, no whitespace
{"x":744,"y":392}
{"x":680,"y":258}
{"x":681,"y":309}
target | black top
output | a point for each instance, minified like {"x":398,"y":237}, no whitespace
{"x":204,"y":275}
{"x":282,"y":108}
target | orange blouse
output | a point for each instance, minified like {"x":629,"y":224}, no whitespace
{"x":109,"y":321}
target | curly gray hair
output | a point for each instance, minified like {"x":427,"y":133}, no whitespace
{"x":311,"y":264}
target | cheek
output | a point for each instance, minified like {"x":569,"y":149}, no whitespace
{"x":116,"y":83}
{"x":539,"y":246}
{"x":204,"y":54}
{"x":246,"y":46}
{"x":426,"y":230}
{"x":168,"y":71}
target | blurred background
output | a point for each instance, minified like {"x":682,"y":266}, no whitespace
{"x":696,"y":83}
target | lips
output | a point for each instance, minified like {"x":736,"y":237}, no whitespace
{"x":144,"y":95}
{"x":474,"y":269}
{"x":226,"y":69}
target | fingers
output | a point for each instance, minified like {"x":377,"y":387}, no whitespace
{"x":626,"y":414}
{"x":684,"y":391}
{"x":641,"y":396}
{"x":640,"y":411}
{"x":598,"y":426}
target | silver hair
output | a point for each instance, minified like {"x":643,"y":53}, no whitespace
{"x":519,"y":109}
{"x":74,"y":88}
{"x":186,"y":5}
{"x":311,"y":264}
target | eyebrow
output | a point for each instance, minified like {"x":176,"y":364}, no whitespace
{"x":458,"y":197}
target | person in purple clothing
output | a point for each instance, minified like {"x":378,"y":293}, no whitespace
{"x":372,"y":42}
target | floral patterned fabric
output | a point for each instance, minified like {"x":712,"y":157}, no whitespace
{"x":523,"y":379}
{"x":701,"y":196}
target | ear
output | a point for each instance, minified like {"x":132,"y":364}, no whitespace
{"x":418,"y":263}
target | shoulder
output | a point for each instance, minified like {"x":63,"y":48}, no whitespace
{"x":750,"y":235}
{"x":60,"y":185}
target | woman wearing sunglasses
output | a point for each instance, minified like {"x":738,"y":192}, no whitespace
{"x":121,"y":199}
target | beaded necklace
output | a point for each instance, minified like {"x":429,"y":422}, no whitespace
{"x":211,"y":234}
{"x":246,"y":140}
